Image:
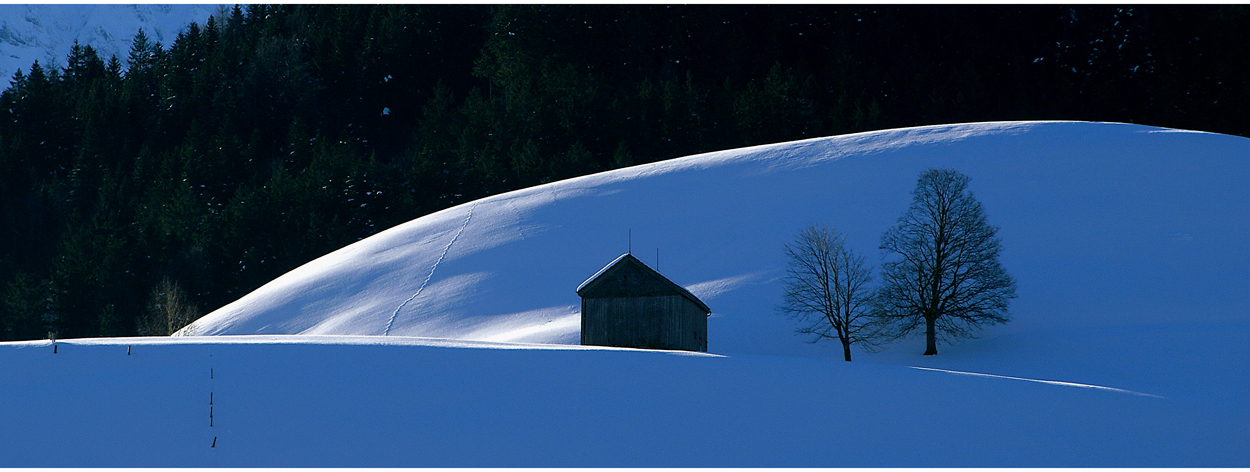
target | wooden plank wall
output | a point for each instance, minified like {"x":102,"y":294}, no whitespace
{"x":662,"y":322}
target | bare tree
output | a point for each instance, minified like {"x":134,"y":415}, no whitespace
{"x":168,"y":310}
{"x":945,"y":274}
{"x":826,"y":289}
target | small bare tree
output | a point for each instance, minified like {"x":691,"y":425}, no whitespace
{"x":168,"y":310}
{"x":827,"y":290}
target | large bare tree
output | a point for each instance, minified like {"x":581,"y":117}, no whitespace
{"x":944,"y":273}
{"x":826,"y":289}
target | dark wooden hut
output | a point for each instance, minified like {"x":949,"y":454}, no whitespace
{"x":628,"y":304}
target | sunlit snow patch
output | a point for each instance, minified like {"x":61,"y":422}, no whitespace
{"x":1049,"y":382}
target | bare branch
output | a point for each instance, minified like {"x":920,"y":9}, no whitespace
{"x":826,"y":289}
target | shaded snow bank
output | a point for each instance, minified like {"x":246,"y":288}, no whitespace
{"x":282,"y":401}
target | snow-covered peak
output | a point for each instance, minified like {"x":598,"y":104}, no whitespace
{"x":45,"y":32}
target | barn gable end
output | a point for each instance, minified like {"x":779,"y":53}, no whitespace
{"x":628,"y":304}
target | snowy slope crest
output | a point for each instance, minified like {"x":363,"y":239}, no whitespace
{"x":45,"y":32}
{"x":1103,"y":226}
{"x":505,"y":268}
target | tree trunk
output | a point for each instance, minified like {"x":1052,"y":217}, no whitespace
{"x":930,"y":336}
{"x":846,"y":350}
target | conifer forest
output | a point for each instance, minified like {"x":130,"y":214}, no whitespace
{"x":142,"y":190}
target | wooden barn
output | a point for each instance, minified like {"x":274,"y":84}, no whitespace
{"x":628,"y":304}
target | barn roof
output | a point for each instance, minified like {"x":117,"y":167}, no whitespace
{"x":628,"y":277}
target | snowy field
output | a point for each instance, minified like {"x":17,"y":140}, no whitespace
{"x":446,"y":341}
{"x":313,"y":401}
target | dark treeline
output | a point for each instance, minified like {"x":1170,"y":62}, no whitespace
{"x":137,"y":193}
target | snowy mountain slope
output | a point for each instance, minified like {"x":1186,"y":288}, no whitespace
{"x":318,"y":401}
{"x":45,"y":32}
{"x":1128,"y":243}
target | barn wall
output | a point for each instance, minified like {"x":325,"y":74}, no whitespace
{"x":659,"y":322}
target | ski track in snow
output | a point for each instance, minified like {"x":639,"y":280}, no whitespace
{"x":520,"y":229}
{"x":432,"y":269}
{"x":1051,"y":382}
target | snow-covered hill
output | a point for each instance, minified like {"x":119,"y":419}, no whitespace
{"x":45,"y":32}
{"x":1118,"y":235}
{"x":1129,"y":245}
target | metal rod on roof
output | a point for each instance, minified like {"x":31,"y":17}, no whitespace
{"x":630,"y":248}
